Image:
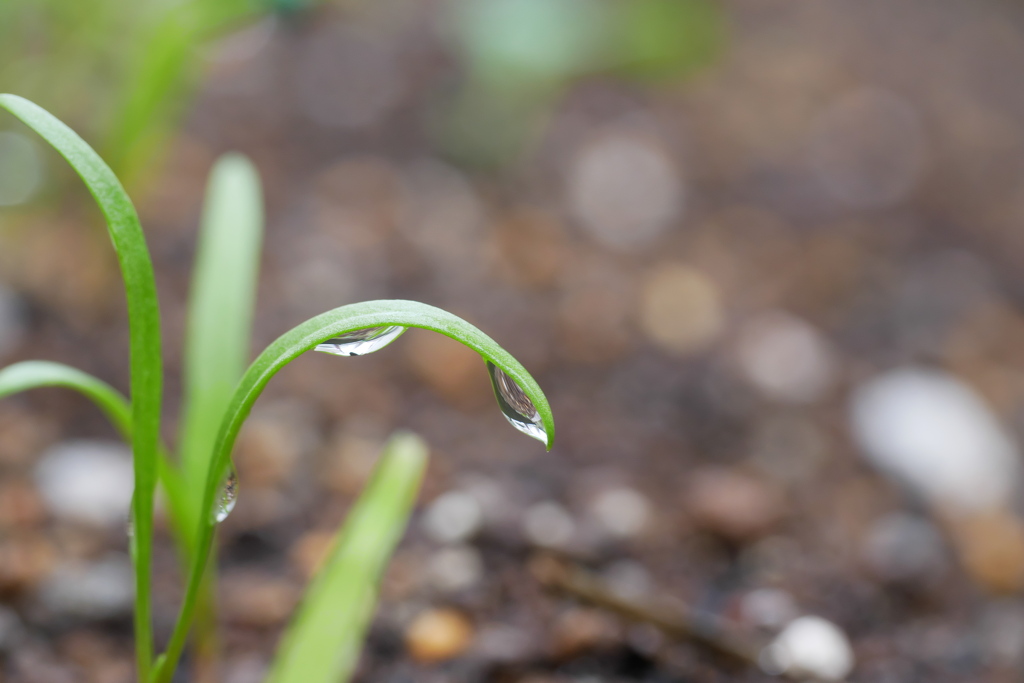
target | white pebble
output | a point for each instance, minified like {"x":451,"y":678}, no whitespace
{"x":92,"y":590}
{"x":548,"y":524}
{"x":625,"y":191}
{"x":768,"y":608}
{"x":932,"y":432}
{"x":455,"y":568}
{"x":627,"y":579}
{"x":455,"y":516}
{"x":809,"y":646}
{"x":623,"y":512}
{"x":89,"y":481}
{"x":786,"y":358}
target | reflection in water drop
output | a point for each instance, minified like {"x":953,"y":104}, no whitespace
{"x":515,"y":404}
{"x":227,"y":496}
{"x":361,"y":342}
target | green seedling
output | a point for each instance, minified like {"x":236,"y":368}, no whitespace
{"x":322,"y":642}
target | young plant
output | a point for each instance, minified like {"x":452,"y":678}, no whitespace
{"x":322,"y":641}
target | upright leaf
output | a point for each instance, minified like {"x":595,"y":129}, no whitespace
{"x":322,"y":642}
{"x":144,"y":333}
{"x":220,"y":311}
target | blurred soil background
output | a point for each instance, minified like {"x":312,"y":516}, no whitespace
{"x":764,"y":256}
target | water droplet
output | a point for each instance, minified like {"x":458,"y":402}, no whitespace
{"x":226,"y":496}
{"x":361,"y":342}
{"x":515,"y":404}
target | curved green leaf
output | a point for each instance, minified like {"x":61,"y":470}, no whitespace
{"x":35,"y":374}
{"x":322,"y":642}
{"x":144,"y":332}
{"x":288,"y":347}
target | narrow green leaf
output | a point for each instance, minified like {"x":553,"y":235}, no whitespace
{"x":288,"y":347}
{"x":144,"y":333}
{"x":323,"y":641}
{"x":164,"y":68}
{"x":220,"y":311}
{"x":35,"y":374}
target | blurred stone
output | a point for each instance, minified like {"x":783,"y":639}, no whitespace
{"x":680,"y":309}
{"x":904,"y":548}
{"x":36,"y":663}
{"x":501,"y":643}
{"x":622,"y":512}
{"x":991,"y":548}
{"x":930,"y":431}
{"x":13,"y":325}
{"x":453,"y":517}
{"x":869,"y":148}
{"x":809,"y":647}
{"x":89,"y":481}
{"x":257,"y":600}
{"x":1001,"y":634}
{"x":247,"y":669}
{"x":627,"y":579}
{"x":309,"y":552}
{"x":625,"y":190}
{"x":92,"y":590}
{"x":768,"y":608}
{"x":732,"y":504}
{"x":438,"y":635}
{"x":24,"y":561}
{"x":785,"y":357}
{"x":11,"y":629}
{"x":580,"y":629}
{"x":548,"y":524}
{"x":455,"y":568}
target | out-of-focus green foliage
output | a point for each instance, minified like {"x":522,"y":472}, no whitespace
{"x":521,"y":54}
{"x":666,"y":39}
{"x":118,"y":71}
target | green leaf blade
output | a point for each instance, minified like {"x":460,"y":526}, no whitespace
{"x":322,"y":642}
{"x":291,"y":345}
{"x":144,"y":333}
{"x":37,"y":374}
{"x":220,"y":309}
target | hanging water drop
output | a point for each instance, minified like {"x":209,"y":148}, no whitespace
{"x":361,"y":342}
{"x":515,"y":404}
{"x":227,"y":495}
